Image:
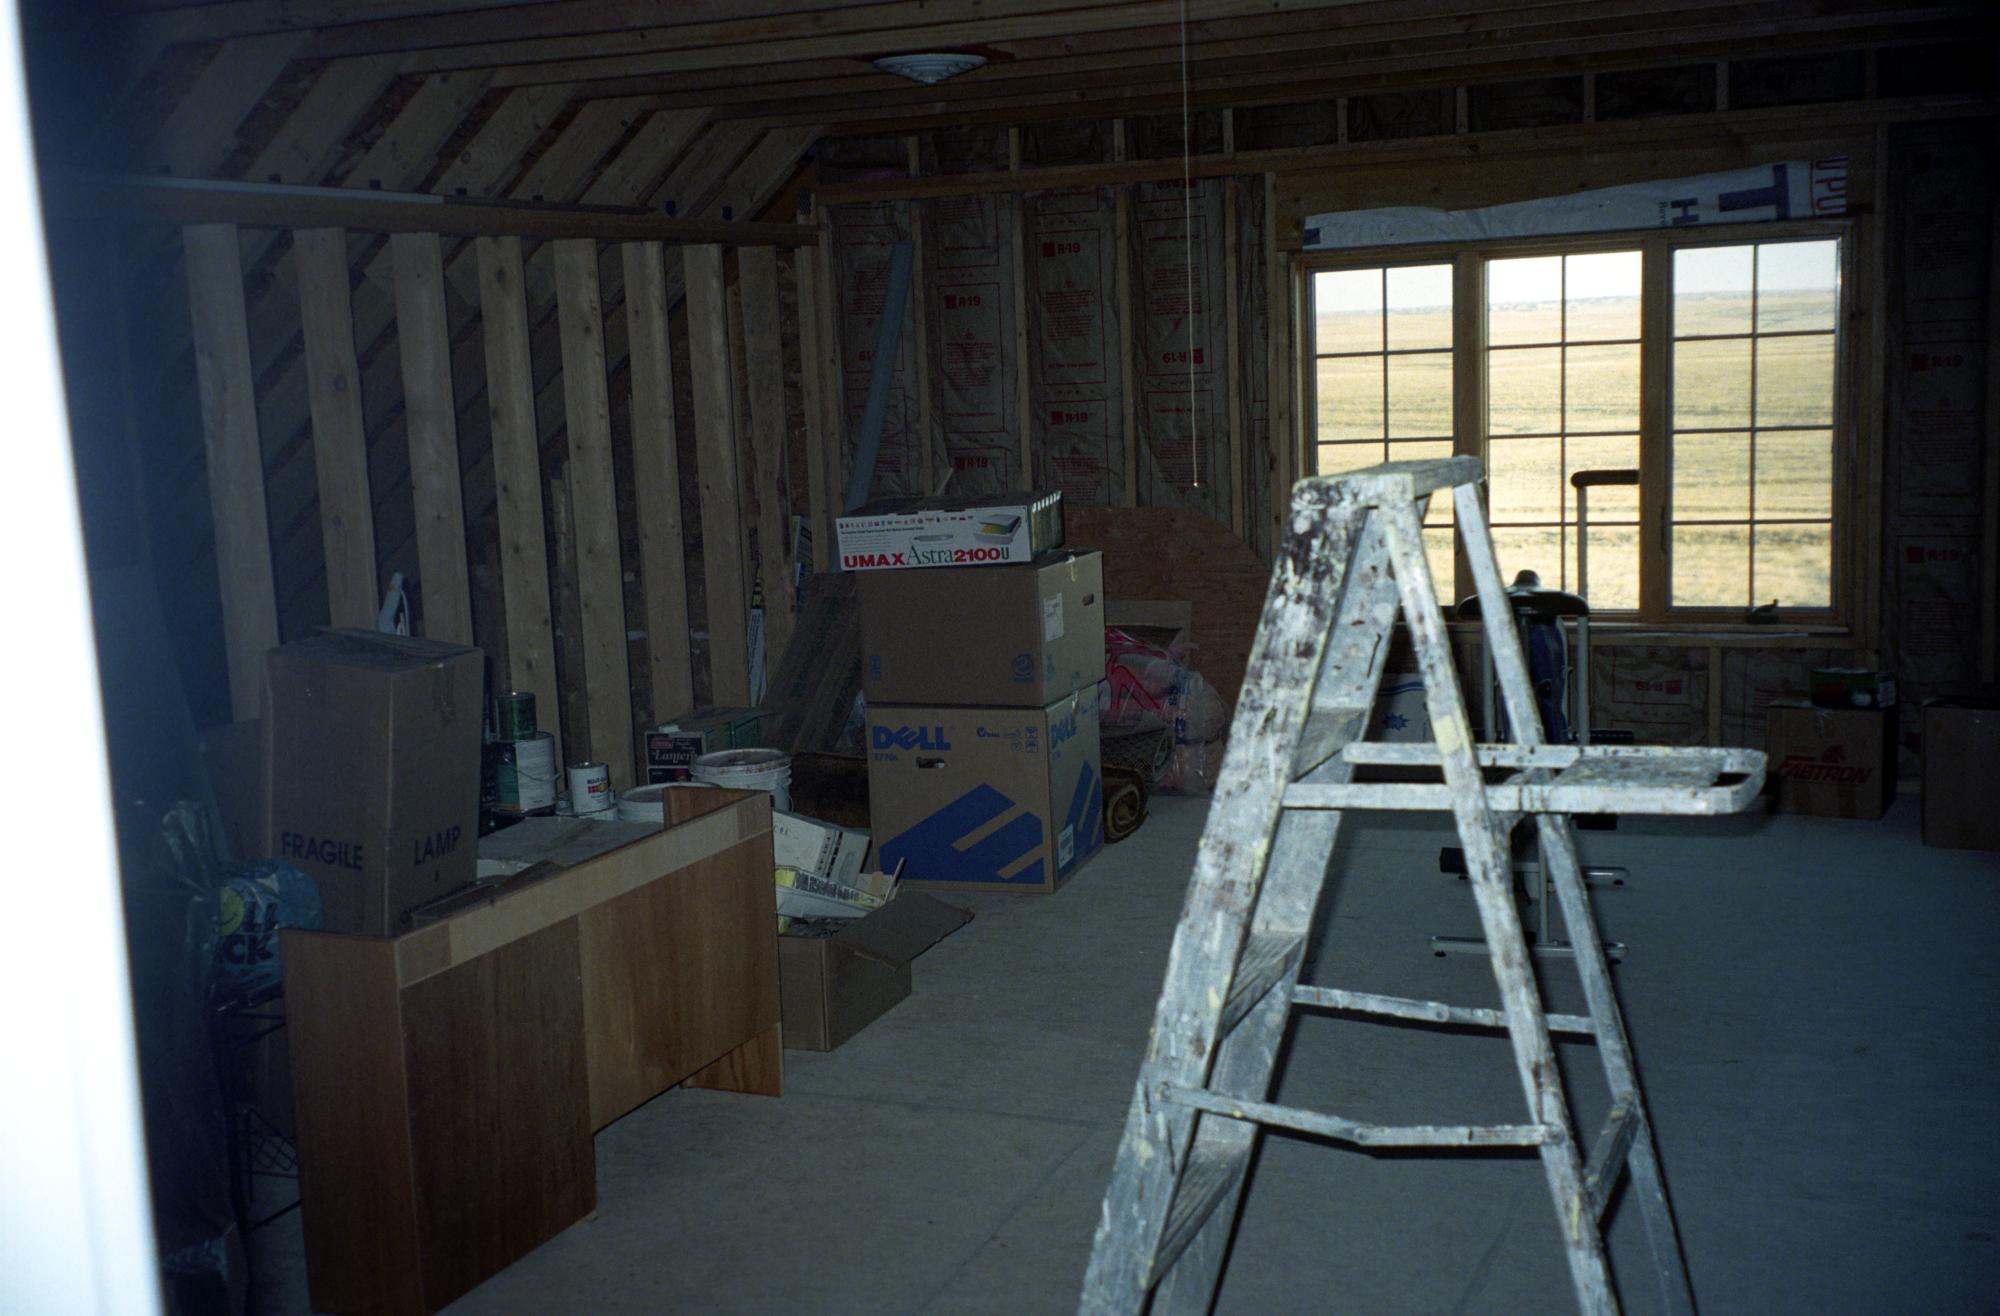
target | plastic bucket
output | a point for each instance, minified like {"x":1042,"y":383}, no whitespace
{"x":647,"y":804}
{"x":749,"y":770}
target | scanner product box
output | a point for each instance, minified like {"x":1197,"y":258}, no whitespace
{"x":894,"y":533}
{"x":986,"y":799}
{"x":1018,"y":636}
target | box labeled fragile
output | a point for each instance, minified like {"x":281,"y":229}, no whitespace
{"x":987,"y":799}
{"x":1832,"y":762}
{"x":370,"y":764}
{"x":1018,"y":636}
{"x":894,"y":533}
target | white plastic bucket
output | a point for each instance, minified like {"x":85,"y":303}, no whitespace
{"x":646,"y":804}
{"x":749,"y":770}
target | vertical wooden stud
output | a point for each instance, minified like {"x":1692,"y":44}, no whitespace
{"x":1285,"y":440}
{"x":430,"y":422}
{"x":1024,"y":384}
{"x":656,"y":479}
{"x":1128,"y":390}
{"x":1232,"y":314}
{"x":764,"y":350}
{"x":715,"y":449}
{"x":1656,"y":329}
{"x":339,"y":434}
{"x":517,"y":479}
{"x":820,"y":496}
{"x":832,"y":394}
{"x":920,"y":337}
{"x":1468,"y":368}
{"x":593,"y":491}
{"x":235,"y":458}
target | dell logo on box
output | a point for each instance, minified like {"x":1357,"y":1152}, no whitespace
{"x":1063,"y":728}
{"x":931,"y":738}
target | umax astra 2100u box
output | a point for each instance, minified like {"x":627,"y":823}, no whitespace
{"x":892,"y":533}
{"x":985,"y":799}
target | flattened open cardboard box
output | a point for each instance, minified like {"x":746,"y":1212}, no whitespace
{"x":833,"y":987}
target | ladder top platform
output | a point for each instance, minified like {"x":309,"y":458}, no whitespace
{"x":1634,"y":779}
{"x":1402,"y":482}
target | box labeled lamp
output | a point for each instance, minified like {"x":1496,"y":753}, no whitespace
{"x":672,"y":750}
{"x":370,"y":761}
{"x":1020,"y":636}
{"x":1961,"y":751}
{"x":1831,"y":762}
{"x":986,"y":799}
{"x":894,"y":533}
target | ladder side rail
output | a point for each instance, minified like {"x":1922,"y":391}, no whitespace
{"x":1496,"y":620}
{"x":1558,"y":837}
{"x":1488,"y":861}
{"x":1357,"y":652}
{"x":1229,"y":868}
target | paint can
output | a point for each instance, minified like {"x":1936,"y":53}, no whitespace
{"x":589,"y":788}
{"x":514,"y":716}
{"x":524,"y":781}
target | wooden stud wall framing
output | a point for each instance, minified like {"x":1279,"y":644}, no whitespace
{"x":235,"y":458}
{"x":600,"y":584}
{"x":339,"y":434}
{"x":517,"y":473}
{"x":423,"y":336}
{"x":715,"y":449}
{"x":1127,"y":365}
{"x":820,"y":494}
{"x":656,"y":480}
{"x":764,"y":363}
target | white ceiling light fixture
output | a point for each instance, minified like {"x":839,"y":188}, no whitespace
{"x":931,"y":68}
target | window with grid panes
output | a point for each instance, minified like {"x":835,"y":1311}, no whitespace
{"x":1753,"y":423}
{"x":1382,"y":349}
{"x":1735,"y":427}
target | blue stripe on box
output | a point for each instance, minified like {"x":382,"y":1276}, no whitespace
{"x":931,"y":852}
{"x":1086,"y":808}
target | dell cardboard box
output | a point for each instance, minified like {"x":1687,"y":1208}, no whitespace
{"x":1020,"y":636}
{"x":985,"y":799}
{"x":893,"y":533}
{"x":371,"y":771}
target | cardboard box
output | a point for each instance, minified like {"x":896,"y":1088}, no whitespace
{"x":1016,"y":636}
{"x":893,"y":533}
{"x":835,"y":986}
{"x":1831,"y":762}
{"x":371,"y":770}
{"x":1961,"y":749}
{"x":986,"y":799}
{"x":818,"y":848}
{"x":672,"y":750}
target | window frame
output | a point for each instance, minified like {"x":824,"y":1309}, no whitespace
{"x":1854,"y":430}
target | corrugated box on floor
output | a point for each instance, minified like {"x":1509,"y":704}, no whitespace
{"x":1831,"y":762}
{"x":672,"y":750}
{"x":835,"y":986}
{"x":1015,"y":636}
{"x":986,"y":799}
{"x":1961,"y":749}
{"x":371,"y":770}
{"x":893,"y":533}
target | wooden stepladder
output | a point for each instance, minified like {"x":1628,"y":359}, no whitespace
{"x":1353,"y":562}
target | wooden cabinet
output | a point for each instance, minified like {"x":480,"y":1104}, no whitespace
{"x":449,"y":1080}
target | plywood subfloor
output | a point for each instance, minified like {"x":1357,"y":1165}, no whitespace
{"x":1812,"y":1001}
